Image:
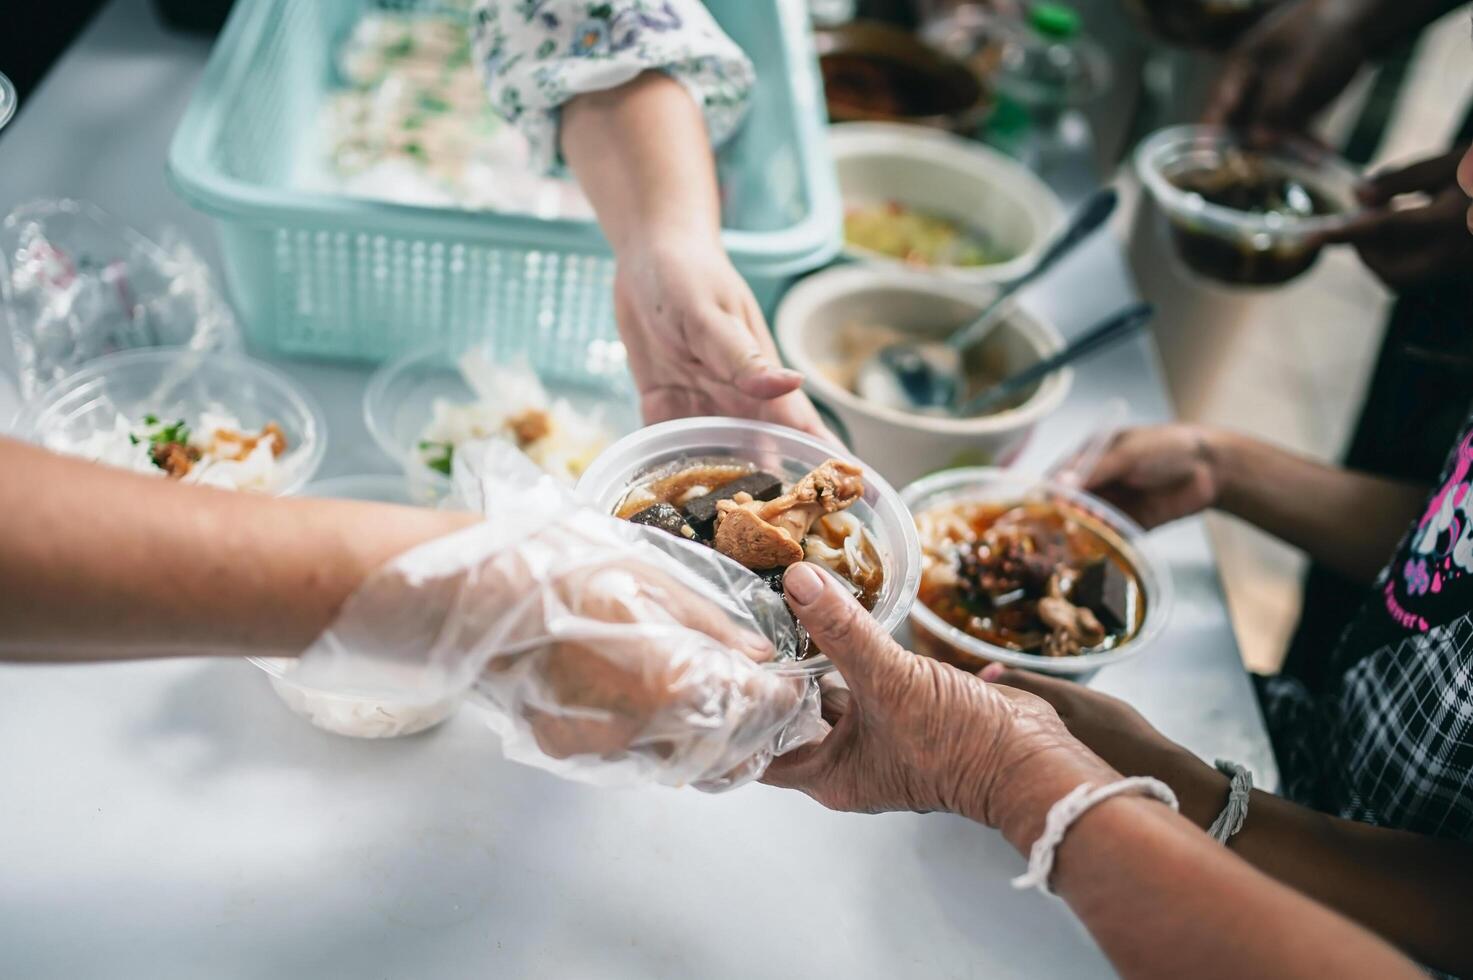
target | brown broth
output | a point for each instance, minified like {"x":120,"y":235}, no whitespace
{"x":1079,"y":538}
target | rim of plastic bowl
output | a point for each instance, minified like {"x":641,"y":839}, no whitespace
{"x":1165,"y":145}
{"x":953,"y":485}
{"x":375,"y":400}
{"x":609,"y":474}
{"x":980,"y":164}
{"x":797,"y":309}
{"x":314,"y":437}
{"x":8,"y":100}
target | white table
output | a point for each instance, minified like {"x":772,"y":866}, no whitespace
{"x":173,"y":819}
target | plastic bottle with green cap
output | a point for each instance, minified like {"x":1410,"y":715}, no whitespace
{"x":1054,"y":21}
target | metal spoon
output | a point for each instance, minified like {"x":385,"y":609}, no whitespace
{"x":927,"y":376}
{"x":1111,"y":331}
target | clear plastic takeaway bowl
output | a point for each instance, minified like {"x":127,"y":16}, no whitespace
{"x":981,"y":484}
{"x":788,"y":454}
{"x":347,"y":713}
{"x":399,"y":403}
{"x":175,"y":382}
{"x":1241,"y":247}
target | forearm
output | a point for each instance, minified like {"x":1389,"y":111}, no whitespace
{"x":641,"y":154}
{"x":1163,"y":900}
{"x":103,"y":564}
{"x":1409,"y":888}
{"x":1347,"y":520}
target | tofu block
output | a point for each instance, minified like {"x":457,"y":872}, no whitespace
{"x":667,"y":518}
{"x":1102,"y":589}
{"x":700,"y":513}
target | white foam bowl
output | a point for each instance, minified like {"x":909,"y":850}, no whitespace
{"x":904,"y":446}
{"x":934,"y":171}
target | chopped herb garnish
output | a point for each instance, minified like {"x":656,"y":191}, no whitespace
{"x":150,"y":419}
{"x":401,"y":48}
{"x":432,"y":103}
{"x":132,"y":438}
{"x":415,"y":121}
{"x":177,"y":432}
{"x":416,"y":151}
{"x":439,"y":455}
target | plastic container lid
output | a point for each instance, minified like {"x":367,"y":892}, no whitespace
{"x":789,"y":454}
{"x":985,"y":483}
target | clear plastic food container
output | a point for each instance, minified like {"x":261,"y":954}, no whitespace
{"x":785,"y":453}
{"x":174,"y":382}
{"x":937,"y":638}
{"x":1238,"y":247}
{"x":347,"y":713}
{"x":400,"y":402}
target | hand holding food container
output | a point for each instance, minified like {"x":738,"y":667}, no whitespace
{"x":601,"y":650}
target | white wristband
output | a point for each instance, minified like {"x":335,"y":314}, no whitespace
{"x":1063,"y":814}
{"x":1230,"y":820}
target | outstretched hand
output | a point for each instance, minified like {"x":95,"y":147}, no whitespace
{"x":915,"y":734}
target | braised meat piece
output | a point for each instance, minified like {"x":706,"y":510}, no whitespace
{"x":769,"y":534}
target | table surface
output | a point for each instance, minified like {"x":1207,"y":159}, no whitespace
{"x":173,"y":819}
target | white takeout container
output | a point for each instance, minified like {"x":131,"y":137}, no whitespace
{"x":954,"y":177}
{"x":906,"y":445}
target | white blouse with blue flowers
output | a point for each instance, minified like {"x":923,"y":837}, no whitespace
{"x":538,"y":54}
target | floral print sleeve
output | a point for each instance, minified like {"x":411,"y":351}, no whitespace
{"x":538,"y":54}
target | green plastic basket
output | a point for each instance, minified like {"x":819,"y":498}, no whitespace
{"x":322,"y":275}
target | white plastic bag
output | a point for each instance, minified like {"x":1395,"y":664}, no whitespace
{"x":76,"y":284}
{"x":604,"y":651}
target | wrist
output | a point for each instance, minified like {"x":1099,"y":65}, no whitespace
{"x":1225,"y":454}
{"x":1019,"y":797}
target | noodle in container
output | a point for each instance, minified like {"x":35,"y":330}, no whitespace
{"x":870,"y":543}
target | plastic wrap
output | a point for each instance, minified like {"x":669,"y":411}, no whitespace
{"x":76,"y":284}
{"x":603,"y":651}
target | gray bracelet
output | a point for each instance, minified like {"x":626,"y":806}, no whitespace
{"x":1230,"y":820}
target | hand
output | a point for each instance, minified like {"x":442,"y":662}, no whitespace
{"x":916,"y":734}
{"x":1424,"y":243}
{"x":697,"y":340}
{"x":1159,"y":474}
{"x":1289,"y":66}
{"x":1124,"y":739}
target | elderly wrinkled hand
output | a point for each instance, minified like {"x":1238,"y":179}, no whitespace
{"x":911,"y":733}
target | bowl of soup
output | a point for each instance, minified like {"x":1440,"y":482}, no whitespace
{"x":1246,"y":214}
{"x":831,"y":323}
{"x":764,"y":497}
{"x":939,"y":206}
{"x":1031,"y":574}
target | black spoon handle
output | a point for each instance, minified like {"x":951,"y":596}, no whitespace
{"x":1084,"y":223}
{"x":1113,"y":330}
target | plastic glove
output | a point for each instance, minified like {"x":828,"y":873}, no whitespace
{"x":601,"y":650}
